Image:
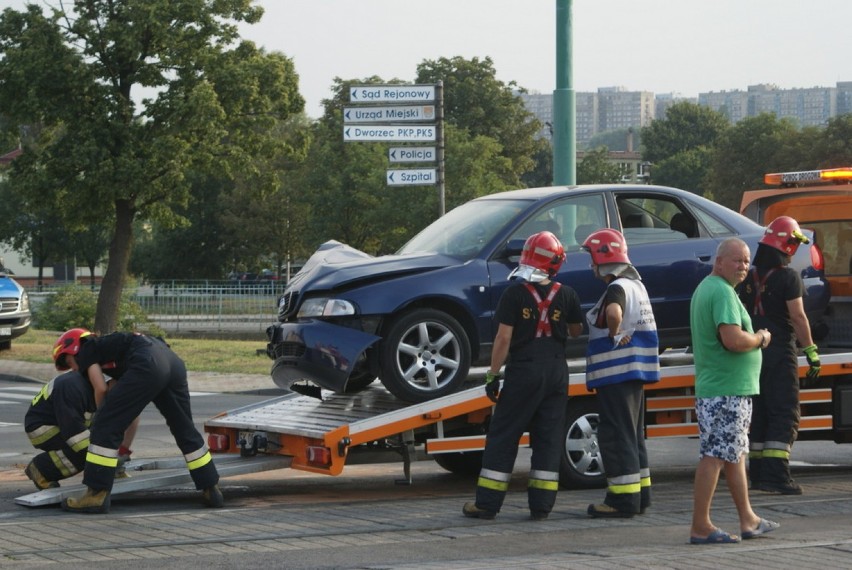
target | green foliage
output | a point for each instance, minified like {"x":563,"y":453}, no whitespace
{"x":687,"y":126}
{"x":595,"y":168}
{"x":476,"y":101}
{"x":75,"y":305}
{"x":101,"y":155}
{"x":687,"y":169}
{"x":615,"y":140}
{"x":750,"y":149}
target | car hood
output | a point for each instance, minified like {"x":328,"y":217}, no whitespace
{"x":336,"y":265}
{"x":9,"y":286}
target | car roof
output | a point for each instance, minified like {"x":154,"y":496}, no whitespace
{"x":555,"y":191}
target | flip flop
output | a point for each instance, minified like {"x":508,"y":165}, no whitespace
{"x":718,"y":536}
{"x":763,"y":527}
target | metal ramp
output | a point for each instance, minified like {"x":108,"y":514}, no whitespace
{"x":156,"y":473}
{"x":310,"y":417}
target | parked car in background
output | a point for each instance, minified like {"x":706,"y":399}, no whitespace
{"x":15,"y":313}
{"x":418,"y":319}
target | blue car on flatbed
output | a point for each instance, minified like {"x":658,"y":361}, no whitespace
{"x":420,"y":318}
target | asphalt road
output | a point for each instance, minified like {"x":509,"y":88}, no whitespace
{"x":364,"y":519}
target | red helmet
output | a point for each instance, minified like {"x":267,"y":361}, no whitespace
{"x":783,"y":234}
{"x":68,"y":343}
{"x":541,"y":258}
{"x":607,"y":246}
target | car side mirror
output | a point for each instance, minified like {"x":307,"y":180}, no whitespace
{"x":513,"y":249}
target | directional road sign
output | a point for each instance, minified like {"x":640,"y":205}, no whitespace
{"x":412,"y":154}
{"x":391,"y":93}
{"x":389,"y":133}
{"x":412,"y":177}
{"x":399,"y":113}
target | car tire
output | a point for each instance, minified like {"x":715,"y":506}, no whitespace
{"x":359,"y":380}
{"x":5,"y":345}
{"x":464,"y":463}
{"x":581,"y":466}
{"x":424,"y":355}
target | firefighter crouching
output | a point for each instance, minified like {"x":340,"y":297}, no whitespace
{"x":622,"y":356}
{"x":57,"y":422}
{"x":535,"y":316}
{"x":144,"y":370}
{"x":772,"y":294}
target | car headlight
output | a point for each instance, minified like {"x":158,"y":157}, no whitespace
{"x":25,"y":301}
{"x":325,"y":307}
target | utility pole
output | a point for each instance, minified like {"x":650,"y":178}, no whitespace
{"x":564,"y":102}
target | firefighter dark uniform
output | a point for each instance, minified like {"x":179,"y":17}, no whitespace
{"x":617,"y":368}
{"x":57,"y":422}
{"x":533,"y":397}
{"x":146,"y":370}
{"x":765,"y":293}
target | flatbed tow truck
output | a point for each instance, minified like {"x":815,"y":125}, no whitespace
{"x":324,"y":435}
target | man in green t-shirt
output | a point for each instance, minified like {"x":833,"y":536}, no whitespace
{"x":727,"y":369}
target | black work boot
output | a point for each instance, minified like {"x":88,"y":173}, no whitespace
{"x":213,"y":497}
{"x":472,"y":511}
{"x":775,"y":477}
{"x":91,"y":502}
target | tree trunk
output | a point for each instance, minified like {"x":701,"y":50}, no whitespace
{"x":106,"y":316}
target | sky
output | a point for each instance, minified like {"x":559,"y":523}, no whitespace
{"x":664,"y":46}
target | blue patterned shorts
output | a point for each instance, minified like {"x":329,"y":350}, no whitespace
{"x":723,"y":426}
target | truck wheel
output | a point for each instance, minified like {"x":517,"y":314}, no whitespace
{"x":5,"y":345}
{"x":465,"y":463}
{"x":581,"y":466}
{"x":425,"y":354}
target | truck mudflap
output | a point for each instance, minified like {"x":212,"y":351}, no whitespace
{"x":316,"y":351}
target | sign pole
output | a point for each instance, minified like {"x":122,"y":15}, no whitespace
{"x":439,"y":115}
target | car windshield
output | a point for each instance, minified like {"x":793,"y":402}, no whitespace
{"x":465,"y":230}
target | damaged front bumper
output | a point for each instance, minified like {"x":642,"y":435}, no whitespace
{"x":313,"y":350}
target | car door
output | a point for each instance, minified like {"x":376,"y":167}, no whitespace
{"x":670,"y":248}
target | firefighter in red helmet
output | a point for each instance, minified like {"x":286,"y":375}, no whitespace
{"x":536,"y":316}
{"x":144,"y":370}
{"x":622,"y":356}
{"x":772,"y":294}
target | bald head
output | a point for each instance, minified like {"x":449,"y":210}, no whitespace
{"x":732,"y":261}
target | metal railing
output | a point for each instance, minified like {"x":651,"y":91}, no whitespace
{"x":209,"y":306}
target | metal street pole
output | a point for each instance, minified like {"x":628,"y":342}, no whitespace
{"x":564,"y":102}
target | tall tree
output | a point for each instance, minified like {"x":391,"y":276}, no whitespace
{"x":687,"y":169}
{"x":476,"y":101}
{"x":747,"y":151}
{"x":344,"y":185}
{"x":687,"y":126}
{"x":834,"y":149}
{"x":133,"y":94}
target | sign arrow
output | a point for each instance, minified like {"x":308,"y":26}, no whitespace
{"x":390,"y":177}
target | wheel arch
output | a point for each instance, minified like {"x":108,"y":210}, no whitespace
{"x":452,"y":308}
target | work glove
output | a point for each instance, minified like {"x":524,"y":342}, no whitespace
{"x":123,"y":458}
{"x":492,"y":385}
{"x":813,"y":361}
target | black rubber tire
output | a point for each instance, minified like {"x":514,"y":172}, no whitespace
{"x":424,"y":355}
{"x":464,"y":463}
{"x":359,"y":380}
{"x":581,"y":466}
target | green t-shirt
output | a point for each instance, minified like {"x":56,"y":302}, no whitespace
{"x":718,"y":371}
